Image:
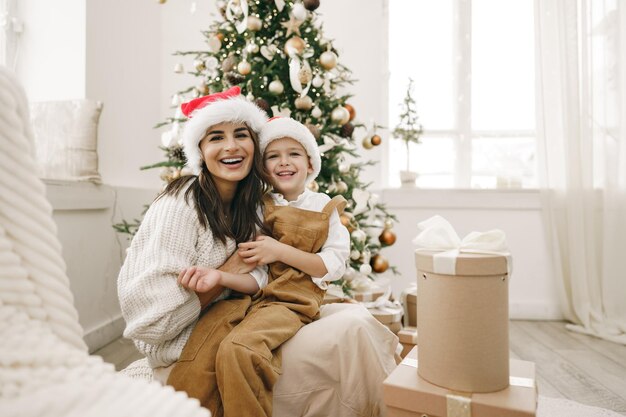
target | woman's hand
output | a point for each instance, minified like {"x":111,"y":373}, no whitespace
{"x":263,"y":251}
{"x":200,"y":279}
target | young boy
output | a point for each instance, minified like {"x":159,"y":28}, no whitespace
{"x":308,"y":248}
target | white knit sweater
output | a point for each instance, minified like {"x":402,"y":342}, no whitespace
{"x":159,"y":313}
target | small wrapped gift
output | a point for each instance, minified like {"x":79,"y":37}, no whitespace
{"x":370,"y":295}
{"x":386,"y":311}
{"x":463,"y":312}
{"x":408,"y":299}
{"x":407,"y":394}
{"x":408,"y":339}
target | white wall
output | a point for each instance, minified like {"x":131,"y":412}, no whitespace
{"x":51,"y":54}
{"x":123,"y":69}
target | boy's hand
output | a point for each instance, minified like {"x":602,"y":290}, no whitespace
{"x":264,"y":250}
{"x":199,"y":279}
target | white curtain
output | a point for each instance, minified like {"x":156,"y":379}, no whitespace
{"x":581,"y":74}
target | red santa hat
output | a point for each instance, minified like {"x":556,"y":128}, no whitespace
{"x":286,"y":127}
{"x":207,"y":111}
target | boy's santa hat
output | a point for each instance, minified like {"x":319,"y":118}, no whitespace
{"x":207,"y":111}
{"x":286,"y":127}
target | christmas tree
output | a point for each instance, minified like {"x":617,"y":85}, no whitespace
{"x":276,"y":52}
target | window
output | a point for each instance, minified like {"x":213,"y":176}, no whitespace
{"x":10,"y":28}
{"x":472,"y":62}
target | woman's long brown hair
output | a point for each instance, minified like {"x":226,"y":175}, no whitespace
{"x":243,"y":208}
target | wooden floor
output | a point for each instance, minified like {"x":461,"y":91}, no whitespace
{"x":569,"y":365}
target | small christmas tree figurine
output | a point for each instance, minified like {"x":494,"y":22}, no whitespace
{"x":408,"y":130}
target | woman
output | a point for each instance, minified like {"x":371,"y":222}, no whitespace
{"x":198,"y":220}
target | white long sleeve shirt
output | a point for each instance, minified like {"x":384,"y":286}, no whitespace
{"x":336,"y":249}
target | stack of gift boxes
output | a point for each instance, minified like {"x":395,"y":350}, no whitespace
{"x":461,"y":366}
{"x":408,"y":334}
{"x":379,"y":304}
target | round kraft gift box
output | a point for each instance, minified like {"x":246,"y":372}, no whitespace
{"x":463,"y":322}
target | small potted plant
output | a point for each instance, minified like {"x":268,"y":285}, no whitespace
{"x":408,"y":130}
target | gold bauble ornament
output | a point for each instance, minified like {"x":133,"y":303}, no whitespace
{"x":276,"y":87}
{"x":311,"y":4}
{"x":229,"y":63}
{"x":387,"y":237}
{"x":367,"y":142}
{"x":350,"y":110}
{"x":315,"y":131}
{"x":314,"y":186}
{"x":296,"y":43}
{"x":376,"y":140}
{"x":198,"y":64}
{"x":203,"y":89}
{"x":379,"y":264}
{"x":328,"y":60}
{"x":254,"y":23}
{"x":304,"y":103}
{"x":340,"y":115}
{"x":244,"y":68}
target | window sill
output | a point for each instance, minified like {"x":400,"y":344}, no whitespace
{"x":496,"y":199}
{"x":70,"y":195}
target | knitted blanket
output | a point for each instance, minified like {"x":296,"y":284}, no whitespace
{"x":45,"y":368}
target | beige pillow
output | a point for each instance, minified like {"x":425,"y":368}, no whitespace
{"x":66,"y":145}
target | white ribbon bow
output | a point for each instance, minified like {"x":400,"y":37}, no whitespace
{"x":436,"y":233}
{"x":383,"y":303}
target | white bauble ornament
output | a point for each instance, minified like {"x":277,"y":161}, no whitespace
{"x":340,"y":115}
{"x":355,"y":254}
{"x":318,"y":81}
{"x":211,"y":63}
{"x":359,"y":235}
{"x":276,"y":87}
{"x":252,"y":48}
{"x":215,"y":44}
{"x":365,"y":269}
{"x":350,"y":274}
{"x":254,"y":23}
{"x":317,"y":113}
{"x":375,"y":228}
{"x":344,"y":167}
{"x":244,"y":68}
{"x":304,"y":103}
{"x":298,"y":11}
{"x":328,"y":60}
{"x":342,"y":187}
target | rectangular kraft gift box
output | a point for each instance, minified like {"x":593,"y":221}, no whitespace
{"x":408,"y":299}
{"x":406,"y":394}
{"x":408,"y":339}
{"x":368,"y":296}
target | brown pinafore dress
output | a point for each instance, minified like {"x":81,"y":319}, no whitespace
{"x":232,"y":359}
